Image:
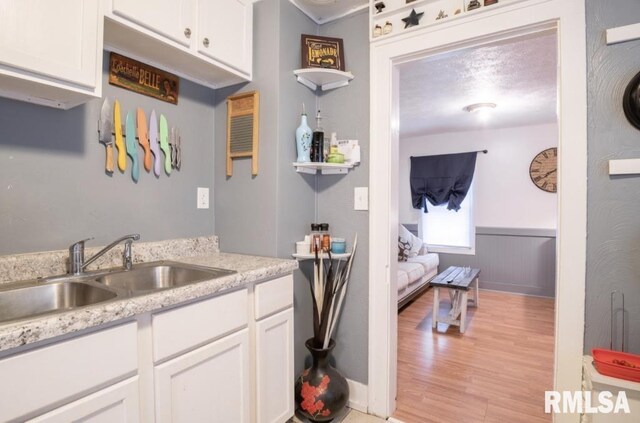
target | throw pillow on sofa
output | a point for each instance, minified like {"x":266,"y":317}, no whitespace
{"x":409,"y":245}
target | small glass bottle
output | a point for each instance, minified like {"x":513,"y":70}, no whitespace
{"x":316,"y":238}
{"x":326,"y":238}
{"x":317,"y":143}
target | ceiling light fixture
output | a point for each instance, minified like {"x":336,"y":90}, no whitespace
{"x":480,"y":107}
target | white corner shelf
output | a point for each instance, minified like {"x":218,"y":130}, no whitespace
{"x":324,"y":168}
{"x":327,"y":79}
{"x":324,"y":256}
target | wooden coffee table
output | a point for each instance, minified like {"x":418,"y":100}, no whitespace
{"x":457,"y":281}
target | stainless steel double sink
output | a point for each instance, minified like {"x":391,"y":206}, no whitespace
{"x":61,"y":293}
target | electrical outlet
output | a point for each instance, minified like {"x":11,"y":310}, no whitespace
{"x":361,"y":198}
{"x":203,"y":198}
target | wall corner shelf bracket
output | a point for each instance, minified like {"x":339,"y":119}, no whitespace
{"x":324,"y":168}
{"x":326,"y":79}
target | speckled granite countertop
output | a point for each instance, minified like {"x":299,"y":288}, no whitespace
{"x":249,"y":268}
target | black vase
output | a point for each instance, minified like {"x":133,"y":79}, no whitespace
{"x":321,"y":391}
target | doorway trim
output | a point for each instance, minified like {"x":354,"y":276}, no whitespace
{"x":568,"y":17}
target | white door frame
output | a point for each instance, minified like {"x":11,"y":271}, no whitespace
{"x":569,"y":18}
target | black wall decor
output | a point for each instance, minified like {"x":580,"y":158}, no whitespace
{"x":631,"y":101}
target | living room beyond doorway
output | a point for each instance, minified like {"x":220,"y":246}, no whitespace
{"x":497,"y":217}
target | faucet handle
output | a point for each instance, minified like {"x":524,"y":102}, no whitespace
{"x":81,"y":242}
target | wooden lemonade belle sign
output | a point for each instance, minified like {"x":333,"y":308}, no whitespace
{"x":143,"y":79}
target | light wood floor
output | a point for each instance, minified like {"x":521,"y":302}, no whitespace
{"x":496,"y":372}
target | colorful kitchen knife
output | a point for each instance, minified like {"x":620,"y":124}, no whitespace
{"x":122,"y":152}
{"x":132,"y":146}
{"x":153,"y":141}
{"x":173,"y":143}
{"x":178,"y":149}
{"x":164,"y":144}
{"x":143,"y":138}
{"x":105,"y":136}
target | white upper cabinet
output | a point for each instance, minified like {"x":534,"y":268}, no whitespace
{"x":224,"y":32}
{"x":206,"y":41}
{"x":51,"y":52}
{"x":173,"y":19}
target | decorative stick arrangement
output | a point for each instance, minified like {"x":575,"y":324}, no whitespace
{"x":328,"y":290}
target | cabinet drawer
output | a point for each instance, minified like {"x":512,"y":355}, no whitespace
{"x":36,"y":380}
{"x":273,"y":296}
{"x":182,"y":329}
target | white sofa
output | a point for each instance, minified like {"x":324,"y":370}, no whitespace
{"x":414,"y":275}
{"x":416,"y":266}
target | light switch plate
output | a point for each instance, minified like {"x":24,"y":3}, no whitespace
{"x":203,"y":198}
{"x":361,"y":198}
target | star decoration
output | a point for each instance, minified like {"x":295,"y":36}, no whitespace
{"x":413,"y":19}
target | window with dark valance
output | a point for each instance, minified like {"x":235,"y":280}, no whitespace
{"x":441,"y":179}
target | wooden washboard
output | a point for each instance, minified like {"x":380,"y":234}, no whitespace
{"x":242,"y":129}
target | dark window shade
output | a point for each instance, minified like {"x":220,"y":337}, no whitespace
{"x":441,"y":179}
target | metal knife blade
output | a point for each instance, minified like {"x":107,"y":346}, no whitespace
{"x":153,"y":141}
{"x":132,"y":146}
{"x":105,"y":136}
{"x":117,"y":123}
{"x":172,"y":143}
{"x":164,"y":144}
{"x":178,"y":149}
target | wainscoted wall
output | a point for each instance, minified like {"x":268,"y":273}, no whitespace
{"x":522,"y":261}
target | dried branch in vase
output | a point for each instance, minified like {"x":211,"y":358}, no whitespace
{"x":328,"y":290}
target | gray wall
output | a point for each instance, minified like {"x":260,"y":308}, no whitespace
{"x":522,"y":261}
{"x":267,"y":214}
{"x":613,"y":244}
{"x":346,"y":111}
{"x":53,"y":188}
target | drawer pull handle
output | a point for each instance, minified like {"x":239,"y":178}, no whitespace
{"x":205,"y":42}
{"x":187,"y":32}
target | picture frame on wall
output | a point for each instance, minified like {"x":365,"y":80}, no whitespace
{"x":322,"y":52}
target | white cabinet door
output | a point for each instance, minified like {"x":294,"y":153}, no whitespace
{"x":54,"y":39}
{"x":225,"y":32}
{"x":275,"y":379}
{"x":209,"y":384}
{"x":174,"y":19}
{"x":115,"y":404}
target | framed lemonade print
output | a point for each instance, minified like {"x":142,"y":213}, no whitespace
{"x":322,"y":52}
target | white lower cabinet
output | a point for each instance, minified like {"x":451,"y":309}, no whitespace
{"x":118,"y":403}
{"x":209,"y":384}
{"x":274,"y":368}
{"x":224,"y":359}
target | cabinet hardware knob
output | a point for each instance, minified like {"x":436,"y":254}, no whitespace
{"x":187,"y":32}
{"x":205,"y":42}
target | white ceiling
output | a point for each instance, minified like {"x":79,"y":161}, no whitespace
{"x":519,"y":75}
{"x":323,"y":11}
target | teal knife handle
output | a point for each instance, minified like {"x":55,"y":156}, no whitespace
{"x":135,"y":168}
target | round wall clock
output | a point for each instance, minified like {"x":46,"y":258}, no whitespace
{"x":544,"y":170}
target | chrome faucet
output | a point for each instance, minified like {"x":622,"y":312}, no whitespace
{"x":77,"y":264}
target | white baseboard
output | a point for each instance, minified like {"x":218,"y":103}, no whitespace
{"x":394,"y":420}
{"x":358,"y":396}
